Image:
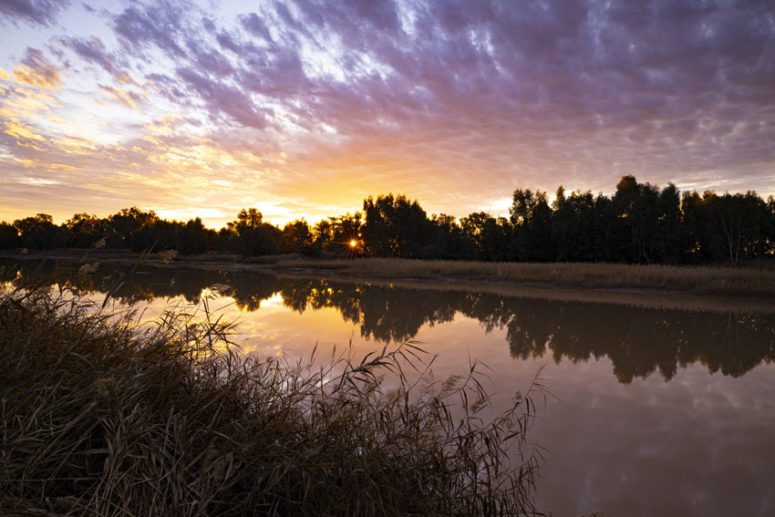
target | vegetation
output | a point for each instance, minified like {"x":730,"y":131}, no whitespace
{"x":101,"y":417}
{"x":697,"y":280}
{"x":639,"y":224}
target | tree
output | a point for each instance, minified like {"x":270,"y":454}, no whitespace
{"x":694,"y":227}
{"x":195,"y":238}
{"x":334,"y":236}
{"x":576,"y":227}
{"x":297,"y":238}
{"x":126,"y":222}
{"x":395,"y":227}
{"x":40,"y":232}
{"x":9,"y":236}
{"x":640,"y":223}
{"x":186,"y":238}
{"x":85,"y":230}
{"x":447,"y":239}
{"x":322,"y":235}
{"x":488,"y":237}
{"x":636,"y":210}
{"x":251,"y":236}
{"x":741,"y":227}
{"x":671,"y":241}
{"x":531,"y":218}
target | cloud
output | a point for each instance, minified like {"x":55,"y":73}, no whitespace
{"x":256,"y":26}
{"x":38,"y":182}
{"x":157,"y":23}
{"x":128,"y":98}
{"x":20,"y":131}
{"x":93,"y":51}
{"x":222,"y":99}
{"x":43,"y":12}
{"x":36,"y":70}
{"x":453,"y":102}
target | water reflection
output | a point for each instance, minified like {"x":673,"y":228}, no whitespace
{"x":637,"y":341}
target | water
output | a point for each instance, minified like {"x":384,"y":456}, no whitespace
{"x":654,"y":412}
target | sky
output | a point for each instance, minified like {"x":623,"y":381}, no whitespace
{"x":302,"y":108}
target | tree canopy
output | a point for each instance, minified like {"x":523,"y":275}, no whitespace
{"x":639,"y":223}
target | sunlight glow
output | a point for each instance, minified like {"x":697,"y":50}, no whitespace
{"x":307,"y":113}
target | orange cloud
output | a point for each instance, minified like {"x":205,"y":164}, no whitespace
{"x":21,"y":131}
{"x":127,"y":98}
{"x":36,"y":70}
{"x":25,"y":74}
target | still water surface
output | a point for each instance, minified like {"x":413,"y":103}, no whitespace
{"x":654,"y":412}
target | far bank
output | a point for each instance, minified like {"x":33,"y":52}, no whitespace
{"x":700,"y":287}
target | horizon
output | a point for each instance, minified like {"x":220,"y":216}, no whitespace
{"x":551,"y":197}
{"x":200,"y":110}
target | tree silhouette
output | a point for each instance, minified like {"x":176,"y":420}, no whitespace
{"x":251,"y":236}
{"x":40,"y":232}
{"x":395,"y":227}
{"x":126,"y":222}
{"x":640,"y":223}
{"x":84,"y":230}
{"x":531,"y":218}
{"x":159,"y":235}
{"x":297,"y":238}
{"x":9,"y":237}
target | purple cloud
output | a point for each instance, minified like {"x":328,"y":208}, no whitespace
{"x":434,"y":96}
{"x":157,"y":24}
{"x":224,"y":100}
{"x":650,"y":77}
{"x":93,"y":50}
{"x":256,"y":26}
{"x":43,"y":12}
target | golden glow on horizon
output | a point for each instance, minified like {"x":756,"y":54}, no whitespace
{"x":183,"y":171}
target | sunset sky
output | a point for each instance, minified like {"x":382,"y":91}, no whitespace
{"x":302,"y":108}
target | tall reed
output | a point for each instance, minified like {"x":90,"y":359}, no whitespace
{"x":100,"y":416}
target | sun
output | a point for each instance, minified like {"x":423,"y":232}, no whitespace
{"x":353,"y":243}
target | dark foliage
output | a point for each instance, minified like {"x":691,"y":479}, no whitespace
{"x":9,"y":237}
{"x":160,"y":235}
{"x":640,"y":223}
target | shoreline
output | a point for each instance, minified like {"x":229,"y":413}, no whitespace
{"x":699,"y":288}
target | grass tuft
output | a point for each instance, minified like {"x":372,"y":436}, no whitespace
{"x":100,"y":416}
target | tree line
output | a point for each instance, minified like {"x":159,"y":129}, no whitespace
{"x":639,"y":223}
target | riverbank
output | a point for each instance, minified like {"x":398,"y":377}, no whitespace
{"x":696,"y":288}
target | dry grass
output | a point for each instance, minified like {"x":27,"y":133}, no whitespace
{"x":701,"y":280}
{"x":100,"y":417}
{"x":754,"y":281}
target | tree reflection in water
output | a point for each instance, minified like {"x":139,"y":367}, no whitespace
{"x":638,"y":341}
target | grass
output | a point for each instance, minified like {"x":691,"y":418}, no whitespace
{"x":99,"y":416}
{"x":757,"y":280}
{"x":695,"y":279}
